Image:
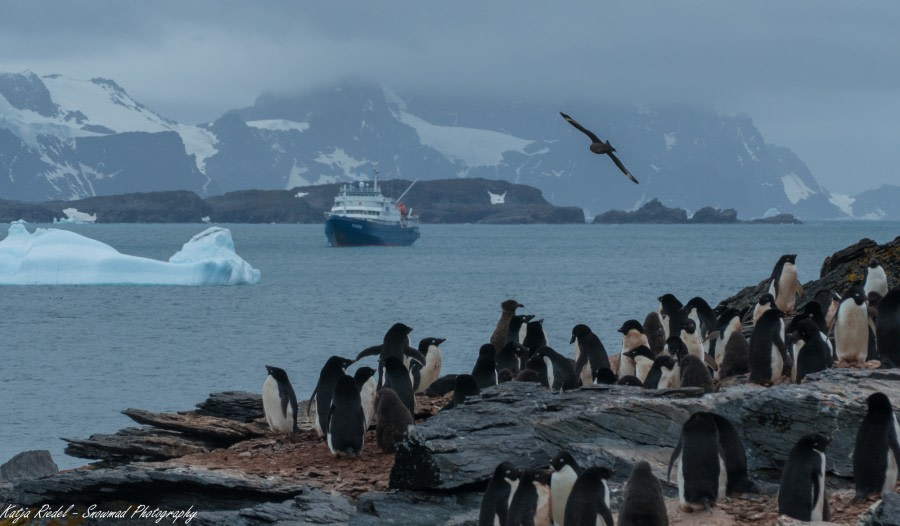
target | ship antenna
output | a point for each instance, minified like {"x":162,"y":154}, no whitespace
{"x":405,"y":191}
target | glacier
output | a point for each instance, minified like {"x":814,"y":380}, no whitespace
{"x":50,"y":256}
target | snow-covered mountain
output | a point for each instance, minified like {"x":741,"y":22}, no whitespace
{"x":63,"y":138}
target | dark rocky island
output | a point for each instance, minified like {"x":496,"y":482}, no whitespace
{"x":220,"y":459}
{"x":654,"y":212}
{"x":440,"y":201}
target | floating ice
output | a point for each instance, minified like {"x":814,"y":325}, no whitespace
{"x":74,"y":217}
{"x":58,"y":257}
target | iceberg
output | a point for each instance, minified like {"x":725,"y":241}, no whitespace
{"x":51,"y":256}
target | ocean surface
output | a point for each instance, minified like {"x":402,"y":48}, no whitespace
{"x":73,"y":357}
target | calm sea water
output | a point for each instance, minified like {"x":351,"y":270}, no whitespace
{"x":72,"y":358}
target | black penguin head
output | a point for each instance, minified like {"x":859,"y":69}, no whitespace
{"x":669,"y":304}
{"x":425,"y":343}
{"x":397,"y":330}
{"x":534,"y":476}
{"x":579,"y":331}
{"x":725,"y":315}
{"x":640,"y":350}
{"x":630,"y":380}
{"x":510,"y":306}
{"x":665,"y":362}
{"x":874,"y":263}
{"x":857,"y":293}
{"x":689,"y":326}
{"x":697,"y":303}
{"x":807,"y":329}
{"x":516,"y":348}
{"x":392,"y":363}
{"x":466,"y":385}
{"x":277,"y":373}
{"x":362,"y":375}
{"x":788,"y":258}
{"x":487,"y":351}
{"x":563,"y":459}
{"x":337,"y":363}
{"x":766,"y":299}
{"x":523,"y":318}
{"x":507,"y":471}
{"x":879,"y":403}
{"x":631,"y":325}
{"x":345,"y":386}
{"x":604,"y":375}
{"x":816,"y":441}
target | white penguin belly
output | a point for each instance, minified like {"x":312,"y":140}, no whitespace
{"x":549,"y":365}
{"x":679,"y":475}
{"x":733,"y":325}
{"x":560,"y":487}
{"x":876,"y":280}
{"x":576,"y":350}
{"x":431,"y":371}
{"x":788,"y":285}
{"x":723,"y":478}
{"x":626,"y":366}
{"x":851,"y":334}
{"x":670,"y":378}
{"x":542,"y":511}
{"x":818,"y":508}
{"x":278,"y":421}
{"x":693,"y":344}
{"x":777,"y":364}
{"x":642,"y":366}
{"x":367,"y":397}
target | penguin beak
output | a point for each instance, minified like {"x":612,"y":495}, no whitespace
{"x":441,"y":340}
{"x":572,"y":340}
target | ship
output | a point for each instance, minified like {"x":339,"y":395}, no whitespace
{"x":362,"y":215}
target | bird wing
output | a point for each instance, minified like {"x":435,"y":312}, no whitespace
{"x":370,"y":351}
{"x":622,"y":167}
{"x":414,"y":354}
{"x":583,"y":130}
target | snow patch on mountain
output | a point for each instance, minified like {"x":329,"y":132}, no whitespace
{"x":470,"y":146}
{"x":842,"y":201}
{"x":671,"y":141}
{"x":794,"y":188}
{"x":279,"y":125}
{"x":338,"y":158}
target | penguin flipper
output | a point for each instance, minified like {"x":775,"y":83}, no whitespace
{"x":312,"y":397}
{"x":894,"y":440}
{"x":675,"y":453}
{"x":415,"y":355}
{"x":371,"y":351}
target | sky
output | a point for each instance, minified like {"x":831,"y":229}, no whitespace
{"x":819,"y":77}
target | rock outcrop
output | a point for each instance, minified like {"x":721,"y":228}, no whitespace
{"x":654,"y":212}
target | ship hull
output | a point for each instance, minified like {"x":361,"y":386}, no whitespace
{"x":351,"y":232}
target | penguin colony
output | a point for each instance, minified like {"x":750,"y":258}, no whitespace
{"x":677,"y":345}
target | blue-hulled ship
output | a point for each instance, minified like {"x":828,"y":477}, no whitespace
{"x":362,"y":215}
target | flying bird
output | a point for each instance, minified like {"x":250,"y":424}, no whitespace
{"x":600,"y":147}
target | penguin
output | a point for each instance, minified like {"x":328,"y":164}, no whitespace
{"x":431,"y":368}
{"x":877,"y":451}
{"x":653,"y":329}
{"x":801,"y":492}
{"x":813,"y":311}
{"x":365,"y":382}
{"x":887,"y":329}
{"x":564,"y":472}
{"x":346,"y":429}
{"x":630,"y":381}
{"x":485,"y":370}
{"x":669,"y":311}
{"x":876,"y":279}
{"x":764,"y":303}
{"x":815,"y":353}
{"x":700,"y":465}
{"x":643,"y":503}
{"x":396,"y":376}
{"x":664,"y":374}
{"x":510,"y":357}
{"x":393,"y":420}
{"x":557,"y":372}
{"x":535,"y":337}
{"x":279,"y":401}
{"x":590,"y":354}
{"x":588,"y":503}
{"x":518,"y":328}
{"x":735,"y":456}
{"x":465,"y":387}
{"x":873,"y":300}
{"x":605,"y":377}
{"x":676,"y":348}
{"x":690,"y":334}
{"x":528,"y":375}
{"x":333,"y":369}
{"x":505,"y":375}
{"x":442,"y":385}
{"x":736,"y":355}
{"x":530,"y":504}
{"x":501,"y":331}
{"x":851,"y":327}
{"x":642,"y":358}
{"x":727,"y":323}
{"x":828,"y":300}
{"x":499,"y":491}
{"x":767,"y":348}
{"x":783,"y":284}
{"x":694,"y":373}
{"x":395,"y":343}
{"x":698,"y":310}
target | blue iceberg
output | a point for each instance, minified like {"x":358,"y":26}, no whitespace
{"x":58,"y":257}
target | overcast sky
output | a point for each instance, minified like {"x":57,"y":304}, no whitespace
{"x":819,"y":77}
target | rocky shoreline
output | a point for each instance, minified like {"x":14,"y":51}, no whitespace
{"x":654,"y":212}
{"x":221,"y":462}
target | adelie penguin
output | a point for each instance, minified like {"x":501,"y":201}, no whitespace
{"x":734,"y":456}
{"x":851,"y":328}
{"x":530,"y":504}
{"x":783,"y":284}
{"x":279,"y":401}
{"x":664,"y":374}
{"x":557,"y":372}
{"x":393,"y":420}
{"x":588,"y":503}
{"x":465,"y":387}
{"x":498,"y":494}
{"x":767,"y":349}
{"x":815,"y":353}
{"x":643,"y":504}
{"x":564,"y":472}
{"x":698,"y":310}
{"x":510,"y":357}
{"x":670,"y":314}
{"x":395,"y":343}
{"x":535,"y":337}
{"x":656,"y":335}
{"x":632,"y":337}
{"x":518,"y":328}
{"x":333,"y":369}
{"x":431,"y":368}
{"x":695,"y":373}
{"x":764,"y":303}
{"x":735,"y":355}
{"x":365,"y":382}
{"x":876,"y":279}
{"x":396,"y":376}
{"x":699,"y":464}
{"x":501,"y":331}
{"x":877,"y":451}
{"x":346,"y":420}
{"x":485,"y":370}
{"x":590,"y":355}
{"x":801,"y":493}
{"x":642,"y":358}
{"x":887,"y":329}
{"x":829,"y":301}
